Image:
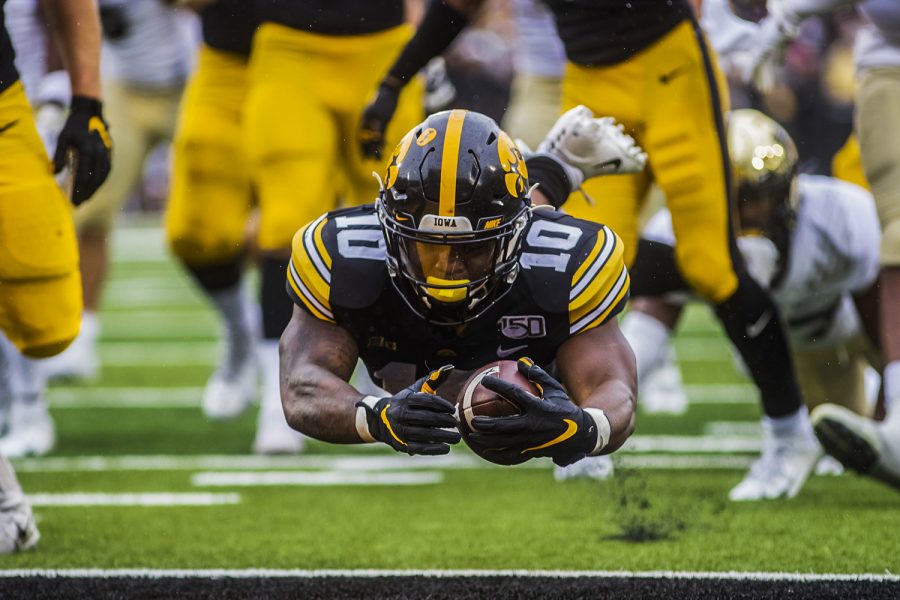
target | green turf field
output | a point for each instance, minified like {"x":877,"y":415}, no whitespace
{"x":137,"y":436}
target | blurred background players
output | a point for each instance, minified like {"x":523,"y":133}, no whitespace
{"x":814,"y":242}
{"x":649,"y":66}
{"x":535,"y":97}
{"x":859,"y":443}
{"x":147,"y":54}
{"x":210,"y":200}
{"x":26,"y":426}
{"x":40,"y":308}
{"x":312,"y":67}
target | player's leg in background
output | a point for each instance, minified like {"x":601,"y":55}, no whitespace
{"x":860,"y":443}
{"x":28,"y":428}
{"x":539,"y":61}
{"x":293,"y":142}
{"x":685,"y":140}
{"x":93,"y":223}
{"x":209,"y":204}
{"x":616,"y":200}
{"x":40,"y":306}
{"x":534,"y":106}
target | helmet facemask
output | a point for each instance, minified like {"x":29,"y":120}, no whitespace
{"x":451,"y":278}
{"x":453,"y":208}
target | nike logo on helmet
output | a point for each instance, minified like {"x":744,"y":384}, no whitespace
{"x":504,"y":352}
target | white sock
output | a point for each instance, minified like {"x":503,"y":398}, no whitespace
{"x":890,"y":380}
{"x":793,"y":425}
{"x":237,"y":312}
{"x":32,"y":383}
{"x":649,"y":339}
{"x":90,"y":326}
{"x":271,"y":396}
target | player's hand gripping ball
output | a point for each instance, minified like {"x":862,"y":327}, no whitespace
{"x":511,"y":412}
{"x":476,"y":400}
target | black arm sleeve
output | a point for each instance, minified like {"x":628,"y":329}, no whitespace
{"x":550,"y":176}
{"x":440,"y":26}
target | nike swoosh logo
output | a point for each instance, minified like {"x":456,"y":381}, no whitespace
{"x":8,"y":125}
{"x":667,"y":77}
{"x":756,"y":328}
{"x":504,"y":352}
{"x":387,"y":423}
{"x":571,"y":429}
{"x":615,"y":163}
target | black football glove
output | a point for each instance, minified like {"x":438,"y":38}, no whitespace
{"x":551,"y":425}
{"x":415,"y":420}
{"x":85,"y":134}
{"x":375,"y":119}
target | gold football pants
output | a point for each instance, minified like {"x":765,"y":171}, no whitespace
{"x":40,"y":286}
{"x":210,"y":199}
{"x":671,"y":97}
{"x":306,"y":97}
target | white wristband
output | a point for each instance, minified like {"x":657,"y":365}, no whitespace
{"x":603,"y":429}
{"x":362,"y":424}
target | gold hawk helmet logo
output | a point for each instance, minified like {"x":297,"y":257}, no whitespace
{"x":513,"y":165}
{"x":390,"y":177}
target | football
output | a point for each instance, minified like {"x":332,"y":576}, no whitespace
{"x":475,"y":400}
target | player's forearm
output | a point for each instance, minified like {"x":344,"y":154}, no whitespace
{"x":76,"y":28}
{"x":442,"y":22}
{"x":319,"y":404}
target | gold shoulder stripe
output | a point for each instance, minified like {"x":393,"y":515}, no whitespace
{"x":598,"y":279}
{"x":302,"y":293}
{"x":591,"y":257}
{"x":613,"y":299}
{"x":449,"y":163}
{"x":309,"y":271}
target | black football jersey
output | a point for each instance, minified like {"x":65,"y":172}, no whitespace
{"x":8,"y":73}
{"x":605,"y":32}
{"x":229,"y":25}
{"x":334,"y":17}
{"x":572,"y":279}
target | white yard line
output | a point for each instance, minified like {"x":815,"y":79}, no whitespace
{"x":144,"y":499}
{"x":313,"y":478}
{"x":124,"y":397}
{"x":372,"y":573}
{"x":188,"y":396}
{"x":158,"y":353}
{"x":726,"y":393}
{"x":382,"y":462}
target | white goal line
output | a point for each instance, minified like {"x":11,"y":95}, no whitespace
{"x":374,"y":573}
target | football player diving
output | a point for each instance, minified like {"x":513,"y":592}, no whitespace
{"x":648,"y":65}
{"x":438,"y":270}
{"x":40,"y":305}
{"x":813,"y":241}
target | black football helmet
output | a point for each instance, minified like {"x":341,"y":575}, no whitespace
{"x":453,"y":205}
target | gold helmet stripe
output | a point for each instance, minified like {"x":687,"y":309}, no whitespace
{"x":449,"y":162}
